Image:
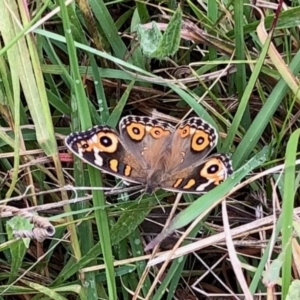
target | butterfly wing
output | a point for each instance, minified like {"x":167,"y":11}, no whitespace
{"x":101,"y":147}
{"x":202,"y":178}
{"x":190,"y":169}
{"x":192,"y":141}
{"x":146,"y":139}
{"x":153,"y":153}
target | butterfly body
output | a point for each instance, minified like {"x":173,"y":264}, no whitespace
{"x":155,"y":154}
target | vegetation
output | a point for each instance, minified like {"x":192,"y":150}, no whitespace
{"x":68,"y":233}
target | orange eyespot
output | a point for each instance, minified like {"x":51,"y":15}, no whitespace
{"x":136,"y":131}
{"x":200,"y":141}
{"x":212,"y":170}
{"x":105,"y":142}
{"x":184,"y":131}
{"x":158,"y":132}
{"x":84,"y":146}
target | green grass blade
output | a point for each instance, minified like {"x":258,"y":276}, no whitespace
{"x":98,"y":197}
{"x":107,"y":25}
{"x":240,"y":55}
{"x":260,"y":122}
{"x":207,"y":200}
{"x":244,"y":101}
{"x":287,"y":208}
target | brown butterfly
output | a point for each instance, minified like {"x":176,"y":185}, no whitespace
{"x":155,"y":154}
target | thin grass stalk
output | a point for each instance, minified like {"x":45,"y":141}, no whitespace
{"x":40,"y":111}
{"x":24,"y":29}
{"x":287,"y":209}
{"x":106,"y":22}
{"x":18,"y":136}
{"x":240,"y":55}
{"x":244,"y":101}
{"x":49,"y":145}
{"x":280,"y":137}
{"x":212,"y":14}
{"x":98,"y":196}
{"x":172,"y":279}
{"x":87,"y":237}
{"x":39,"y":108}
{"x":137,"y":249}
{"x":209,"y":200}
{"x":18,"y":67}
{"x":263,"y":117}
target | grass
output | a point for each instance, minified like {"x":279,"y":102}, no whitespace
{"x":67,"y":68}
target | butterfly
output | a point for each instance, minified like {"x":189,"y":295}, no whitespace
{"x":155,"y":153}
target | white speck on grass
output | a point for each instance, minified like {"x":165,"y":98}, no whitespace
{"x":85,"y":283}
{"x":246,"y":167}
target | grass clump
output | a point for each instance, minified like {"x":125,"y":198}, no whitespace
{"x":67,"y":68}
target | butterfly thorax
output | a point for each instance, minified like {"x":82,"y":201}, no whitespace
{"x":154,"y":180}
{"x":157,"y":172}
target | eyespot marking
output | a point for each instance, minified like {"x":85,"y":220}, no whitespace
{"x":214,"y":171}
{"x":200,"y":141}
{"x":184,"y":131}
{"x":83,"y":146}
{"x":105,"y":142}
{"x":157,"y":132}
{"x":136,"y":131}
